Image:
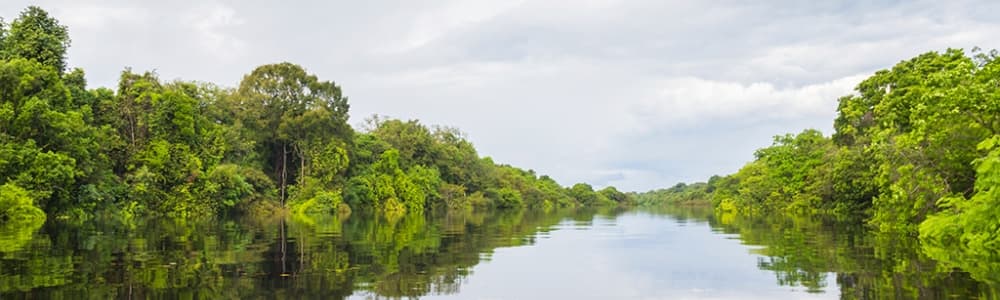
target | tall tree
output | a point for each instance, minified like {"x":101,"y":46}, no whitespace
{"x":36,"y":36}
{"x":47,"y":143}
{"x":287,"y":112}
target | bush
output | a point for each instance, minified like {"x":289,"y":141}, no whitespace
{"x":506,"y":198}
{"x":16,"y":206}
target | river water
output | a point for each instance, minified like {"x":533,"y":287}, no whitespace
{"x":677,"y":253}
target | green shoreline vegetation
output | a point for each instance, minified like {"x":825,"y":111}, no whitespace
{"x":278,"y":143}
{"x":914,"y":160}
{"x":915,"y":153}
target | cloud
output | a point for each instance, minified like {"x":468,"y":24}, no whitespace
{"x":438,"y":22}
{"x":687,"y":129}
{"x":639,"y":94}
{"x":83,"y":17}
{"x":690,"y":100}
{"x":211,"y":21}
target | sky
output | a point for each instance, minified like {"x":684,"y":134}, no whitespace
{"x":636,"y":94}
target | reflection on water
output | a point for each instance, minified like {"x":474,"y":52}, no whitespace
{"x":245,"y":258}
{"x":669,"y":253}
{"x":805,"y":251}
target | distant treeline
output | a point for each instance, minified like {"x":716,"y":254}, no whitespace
{"x":279,"y":139}
{"x":681,"y":194}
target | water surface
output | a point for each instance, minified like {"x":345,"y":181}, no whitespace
{"x":610,"y":254}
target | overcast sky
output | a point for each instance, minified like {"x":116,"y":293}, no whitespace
{"x":636,"y":94}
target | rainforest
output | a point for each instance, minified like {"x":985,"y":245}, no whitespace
{"x":183,"y":189}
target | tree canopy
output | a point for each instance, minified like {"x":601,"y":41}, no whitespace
{"x":279,"y":140}
{"x":914,"y":151}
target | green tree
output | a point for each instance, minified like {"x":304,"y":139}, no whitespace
{"x":964,"y":234}
{"x":17,"y":206}
{"x":585,"y":194}
{"x":793,"y":174}
{"x":506,"y":198}
{"x":925,"y":127}
{"x":183,"y":148}
{"x":287,"y":112}
{"x":413,"y":140}
{"x":34,"y":35}
{"x":51,"y":149}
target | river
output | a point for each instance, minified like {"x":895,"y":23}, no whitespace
{"x":671,"y":253}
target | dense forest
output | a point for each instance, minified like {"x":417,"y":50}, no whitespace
{"x":681,"y":194}
{"x":915,"y":151}
{"x":278,"y":142}
{"x":144,"y":186}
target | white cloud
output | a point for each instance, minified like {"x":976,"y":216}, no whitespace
{"x":458,"y":15}
{"x":639,"y":94}
{"x":690,"y":100}
{"x":211,"y":22}
{"x":687,"y":128}
{"x":85,"y":17}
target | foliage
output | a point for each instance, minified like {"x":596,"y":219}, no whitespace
{"x":586,"y":195}
{"x":914,"y":151}
{"x":34,"y":35}
{"x":17,"y":206}
{"x":965,"y":235}
{"x":320,"y":256}
{"x":677,"y":195}
{"x":902,"y":149}
{"x":291,"y":117}
{"x":188,"y":149}
{"x":19,"y":218}
{"x":506,"y":197}
{"x":803,"y":251}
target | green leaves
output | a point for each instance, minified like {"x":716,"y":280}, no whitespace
{"x":290,"y":115}
{"x":17,"y":206}
{"x":791,"y":175}
{"x":506,"y":198}
{"x":225,"y":184}
{"x":183,"y":149}
{"x":385,"y":186}
{"x":46,"y":145}
{"x":966,"y":233}
{"x":680,"y":194}
{"x":903,"y":148}
{"x":927,"y":139}
{"x":989,"y":143}
{"x":36,"y":36}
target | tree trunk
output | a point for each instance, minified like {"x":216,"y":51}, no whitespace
{"x":302,"y":162}
{"x":284,"y":170}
